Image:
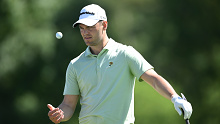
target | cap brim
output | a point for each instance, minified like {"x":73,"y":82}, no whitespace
{"x":87,"y":22}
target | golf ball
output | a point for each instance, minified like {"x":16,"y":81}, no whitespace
{"x":59,"y":35}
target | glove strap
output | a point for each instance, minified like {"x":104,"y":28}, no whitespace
{"x":175,"y":97}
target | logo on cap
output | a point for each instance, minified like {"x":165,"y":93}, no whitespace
{"x":90,"y":13}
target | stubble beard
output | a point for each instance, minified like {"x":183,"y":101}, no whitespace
{"x":92,"y":42}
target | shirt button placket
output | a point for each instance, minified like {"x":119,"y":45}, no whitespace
{"x":96,"y":63}
{"x":98,"y":68}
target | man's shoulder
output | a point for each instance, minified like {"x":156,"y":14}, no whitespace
{"x":78,"y":58}
{"x":120,"y":46}
{"x":124,"y":48}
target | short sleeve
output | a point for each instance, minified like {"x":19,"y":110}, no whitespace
{"x":136,"y":62}
{"x":71,"y":84}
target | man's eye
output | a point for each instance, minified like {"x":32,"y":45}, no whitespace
{"x":91,"y":26}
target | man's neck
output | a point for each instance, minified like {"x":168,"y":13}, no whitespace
{"x":97,"y":49}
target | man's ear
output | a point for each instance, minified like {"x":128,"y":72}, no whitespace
{"x":105,"y":25}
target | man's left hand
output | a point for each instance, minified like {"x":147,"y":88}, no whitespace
{"x":180,"y":103}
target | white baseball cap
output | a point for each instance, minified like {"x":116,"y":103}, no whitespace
{"x":90,"y":15}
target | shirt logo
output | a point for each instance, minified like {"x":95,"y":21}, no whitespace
{"x":110,"y":64}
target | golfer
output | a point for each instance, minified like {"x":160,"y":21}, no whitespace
{"x":103,"y":77}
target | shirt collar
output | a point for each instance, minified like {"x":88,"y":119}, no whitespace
{"x":109,"y":46}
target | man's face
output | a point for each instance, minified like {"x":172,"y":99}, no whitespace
{"x":92,"y":35}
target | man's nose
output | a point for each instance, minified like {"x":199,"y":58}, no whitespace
{"x":85,"y":31}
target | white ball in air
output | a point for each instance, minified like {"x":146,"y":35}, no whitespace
{"x":59,"y":35}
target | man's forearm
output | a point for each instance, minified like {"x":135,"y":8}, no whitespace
{"x":68,"y":111}
{"x":163,"y":87}
{"x":158,"y":83}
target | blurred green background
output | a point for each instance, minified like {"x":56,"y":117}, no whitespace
{"x":180,"y":38}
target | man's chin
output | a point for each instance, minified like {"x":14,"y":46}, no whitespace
{"x":87,"y":40}
{"x":89,"y":43}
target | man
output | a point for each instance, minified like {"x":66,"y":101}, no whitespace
{"x":104,"y":77}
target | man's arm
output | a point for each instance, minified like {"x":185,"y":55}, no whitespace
{"x":159,"y":84}
{"x":65,"y":110}
{"x":166,"y":90}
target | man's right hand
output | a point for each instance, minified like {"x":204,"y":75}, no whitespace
{"x":55,"y":114}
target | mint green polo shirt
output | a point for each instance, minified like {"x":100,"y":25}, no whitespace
{"x":105,"y":83}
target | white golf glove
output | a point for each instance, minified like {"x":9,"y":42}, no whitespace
{"x":182,"y":103}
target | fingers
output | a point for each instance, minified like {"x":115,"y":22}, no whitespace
{"x":187,"y":107}
{"x":50,"y":107}
{"x":178,"y":110}
{"x":55,"y":114}
{"x":60,"y":117}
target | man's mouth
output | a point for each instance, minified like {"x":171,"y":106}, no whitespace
{"x":86,"y":38}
